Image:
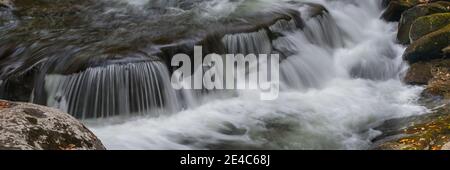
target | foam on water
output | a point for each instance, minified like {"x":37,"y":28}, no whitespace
{"x":341,"y":78}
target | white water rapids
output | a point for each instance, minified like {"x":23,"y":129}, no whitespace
{"x":342,"y":81}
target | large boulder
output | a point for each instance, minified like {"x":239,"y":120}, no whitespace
{"x":395,"y":8}
{"x":430,"y":46}
{"x":409,"y":16}
{"x":427,"y":24}
{"x":26,"y":126}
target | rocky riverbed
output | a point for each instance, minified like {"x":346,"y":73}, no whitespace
{"x":425,"y":28}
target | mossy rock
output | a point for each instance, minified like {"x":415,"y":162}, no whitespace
{"x":429,"y":46}
{"x":410,"y":15}
{"x":427,"y":24}
{"x":395,"y":8}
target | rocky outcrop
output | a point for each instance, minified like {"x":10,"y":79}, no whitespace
{"x":427,"y":28}
{"x":428,"y":24}
{"x":410,"y":15}
{"x":26,"y":126}
{"x":428,"y":47}
{"x":395,"y":8}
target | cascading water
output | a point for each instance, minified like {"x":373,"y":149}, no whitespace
{"x":113,"y":90}
{"x":340,"y":72}
{"x":340,"y":78}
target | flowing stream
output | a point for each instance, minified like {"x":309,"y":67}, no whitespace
{"x":341,"y":80}
{"x":340,"y":72}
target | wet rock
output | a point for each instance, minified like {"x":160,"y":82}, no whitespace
{"x":7,"y":18}
{"x":419,"y":73}
{"x":435,"y":74}
{"x":427,"y":24}
{"x":410,"y":15}
{"x":426,"y":132}
{"x":395,"y":8}
{"x":6,"y":4}
{"x":429,"y":46}
{"x":68,"y":37}
{"x":31,"y":127}
{"x":429,"y":131}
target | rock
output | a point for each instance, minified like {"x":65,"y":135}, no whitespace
{"x":6,"y":3}
{"x":27,"y":126}
{"x":425,"y":132}
{"x":427,"y":24}
{"x":446,"y":146}
{"x":51,"y":40}
{"x":435,"y":74}
{"x":429,"y":46}
{"x":385,"y":3}
{"x":439,"y":85}
{"x":410,"y":15}
{"x":395,"y":9}
{"x":419,"y":74}
{"x":446,"y":51}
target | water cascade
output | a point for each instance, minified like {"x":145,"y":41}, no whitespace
{"x":340,"y":75}
{"x":113,"y":90}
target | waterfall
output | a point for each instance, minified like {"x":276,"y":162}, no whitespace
{"x":118,"y":89}
{"x":340,"y":78}
{"x":340,"y":73}
{"x":248,"y":43}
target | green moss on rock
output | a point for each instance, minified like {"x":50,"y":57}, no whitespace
{"x":427,"y":24}
{"x":410,"y":15}
{"x":429,"y":46}
{"x":395,"y":8}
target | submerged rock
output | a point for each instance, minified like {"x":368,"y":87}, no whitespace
{"x":409,"y":16}
{"x":31,"y":127}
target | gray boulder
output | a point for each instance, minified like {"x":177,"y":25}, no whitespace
{"x":25,"y":126}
